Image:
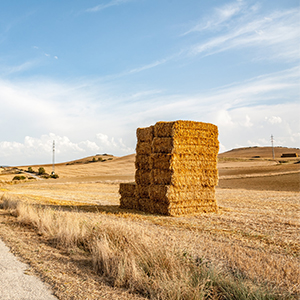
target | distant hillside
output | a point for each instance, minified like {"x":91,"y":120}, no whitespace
{"x":258,"y":152}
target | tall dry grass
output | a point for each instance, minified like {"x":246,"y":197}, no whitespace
{"x":127,"y":256}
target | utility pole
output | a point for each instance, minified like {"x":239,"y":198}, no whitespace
{"x":272,"y":142}
{"x":53,"y":159}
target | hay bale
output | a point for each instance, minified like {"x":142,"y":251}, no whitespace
{"x":145,"y":134}
{"x":129,"y":203}
{"x":143,"y":177}
{"x":289,"y":155}
{"x":170,"y":194}
{"x":169,"y":145}
{"x":143,"y":162}
{"x":143,"y":148}
{"x":177,"y":211}
{"x":176,"y":168}
{"x":127,"y":189}
{"x":204,"y":178}
{"x":183,"y":129}
{"x":142,"y":191}
{"x":166,"y":161}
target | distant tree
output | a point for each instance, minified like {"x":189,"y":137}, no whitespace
{"x":94,"y":159}
{"x":41,"y":171}
{"x":30,"y":170}
{"x":19,"y":177}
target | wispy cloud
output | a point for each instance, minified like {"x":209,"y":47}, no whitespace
{"x":274,"y":36}
{"x":8,"y":70}
{"x":107,"y":5}
{"x":220,"y":15}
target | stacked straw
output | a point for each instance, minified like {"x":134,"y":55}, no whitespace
{"x":176,"y":168}
{"x":143,"y":167}
{"x":128,"y":199}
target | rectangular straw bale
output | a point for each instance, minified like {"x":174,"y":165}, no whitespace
{"x":167,"y":145}
{"x":143,"y":162}
{"x":147,"y":205}
{"x":145,"y":134}
{"x":169,"y":193}
{"x":129,"y":202}
{"x":205,"y":202}
{"x":166,"y":177}
{"x":142,"y":191}
{"x":127,"y":189}
{"x":165,"y":161}
{"x":143,"y":177}
{"x":181,"y":128}
{"x":186,"y":140}
{"x":143,"y":148}
{"x":192,"y":210}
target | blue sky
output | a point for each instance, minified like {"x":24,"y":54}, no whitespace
{"x":88,"y":73}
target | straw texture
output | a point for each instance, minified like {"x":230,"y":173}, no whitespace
{"x":128,"y":198}
{"x":176,"y":168}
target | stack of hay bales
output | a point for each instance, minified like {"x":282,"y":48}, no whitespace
{"x":184,"y":167}
{"x":143,"y":165}
{"x":176,"y":168}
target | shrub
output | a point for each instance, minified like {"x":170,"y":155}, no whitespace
{"x":18,"y":177}
{"x":41,"y":171}
{"x":100,"y":159}
{"x":94,"y":159}
{"x":55,"y":176}
{"x":30,"y":170}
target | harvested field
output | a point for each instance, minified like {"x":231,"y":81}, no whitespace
{"x":254,"y":236}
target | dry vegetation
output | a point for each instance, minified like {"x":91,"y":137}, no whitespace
{"x":75,"y":236}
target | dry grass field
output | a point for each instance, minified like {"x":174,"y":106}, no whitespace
{"x":74,"y":235}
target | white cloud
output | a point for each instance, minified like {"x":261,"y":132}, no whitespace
{"x":274,"y":120}
{"x":88,"y":117}
{"x":39,"y":150}
{"x":107,"y":5}
{"x":248,"y":122}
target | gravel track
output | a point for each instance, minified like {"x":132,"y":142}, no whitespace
{"x":15,"y":284}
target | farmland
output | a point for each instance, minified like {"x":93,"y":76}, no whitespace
{"x":254,"y":237}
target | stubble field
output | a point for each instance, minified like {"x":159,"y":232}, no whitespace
{"x":254,"y":237}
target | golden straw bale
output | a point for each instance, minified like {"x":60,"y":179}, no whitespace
{"x":182,"y":128}
{"x":165,"y":161}
{"x":143,"y":162}
{"x":129,"y":203}
{"x":127,"y":189}
{"x":143,"y":177}
{"x":146,"y":205}
{"x":145,"y":134}
{"x":177,"y":211}
{"x":167,"y":177}
{"x":143,"y":148}
{"x":195,"y":203}
{"x":167,"y":145}
{"x":169,"y":193}
{"x":142,"y":191}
